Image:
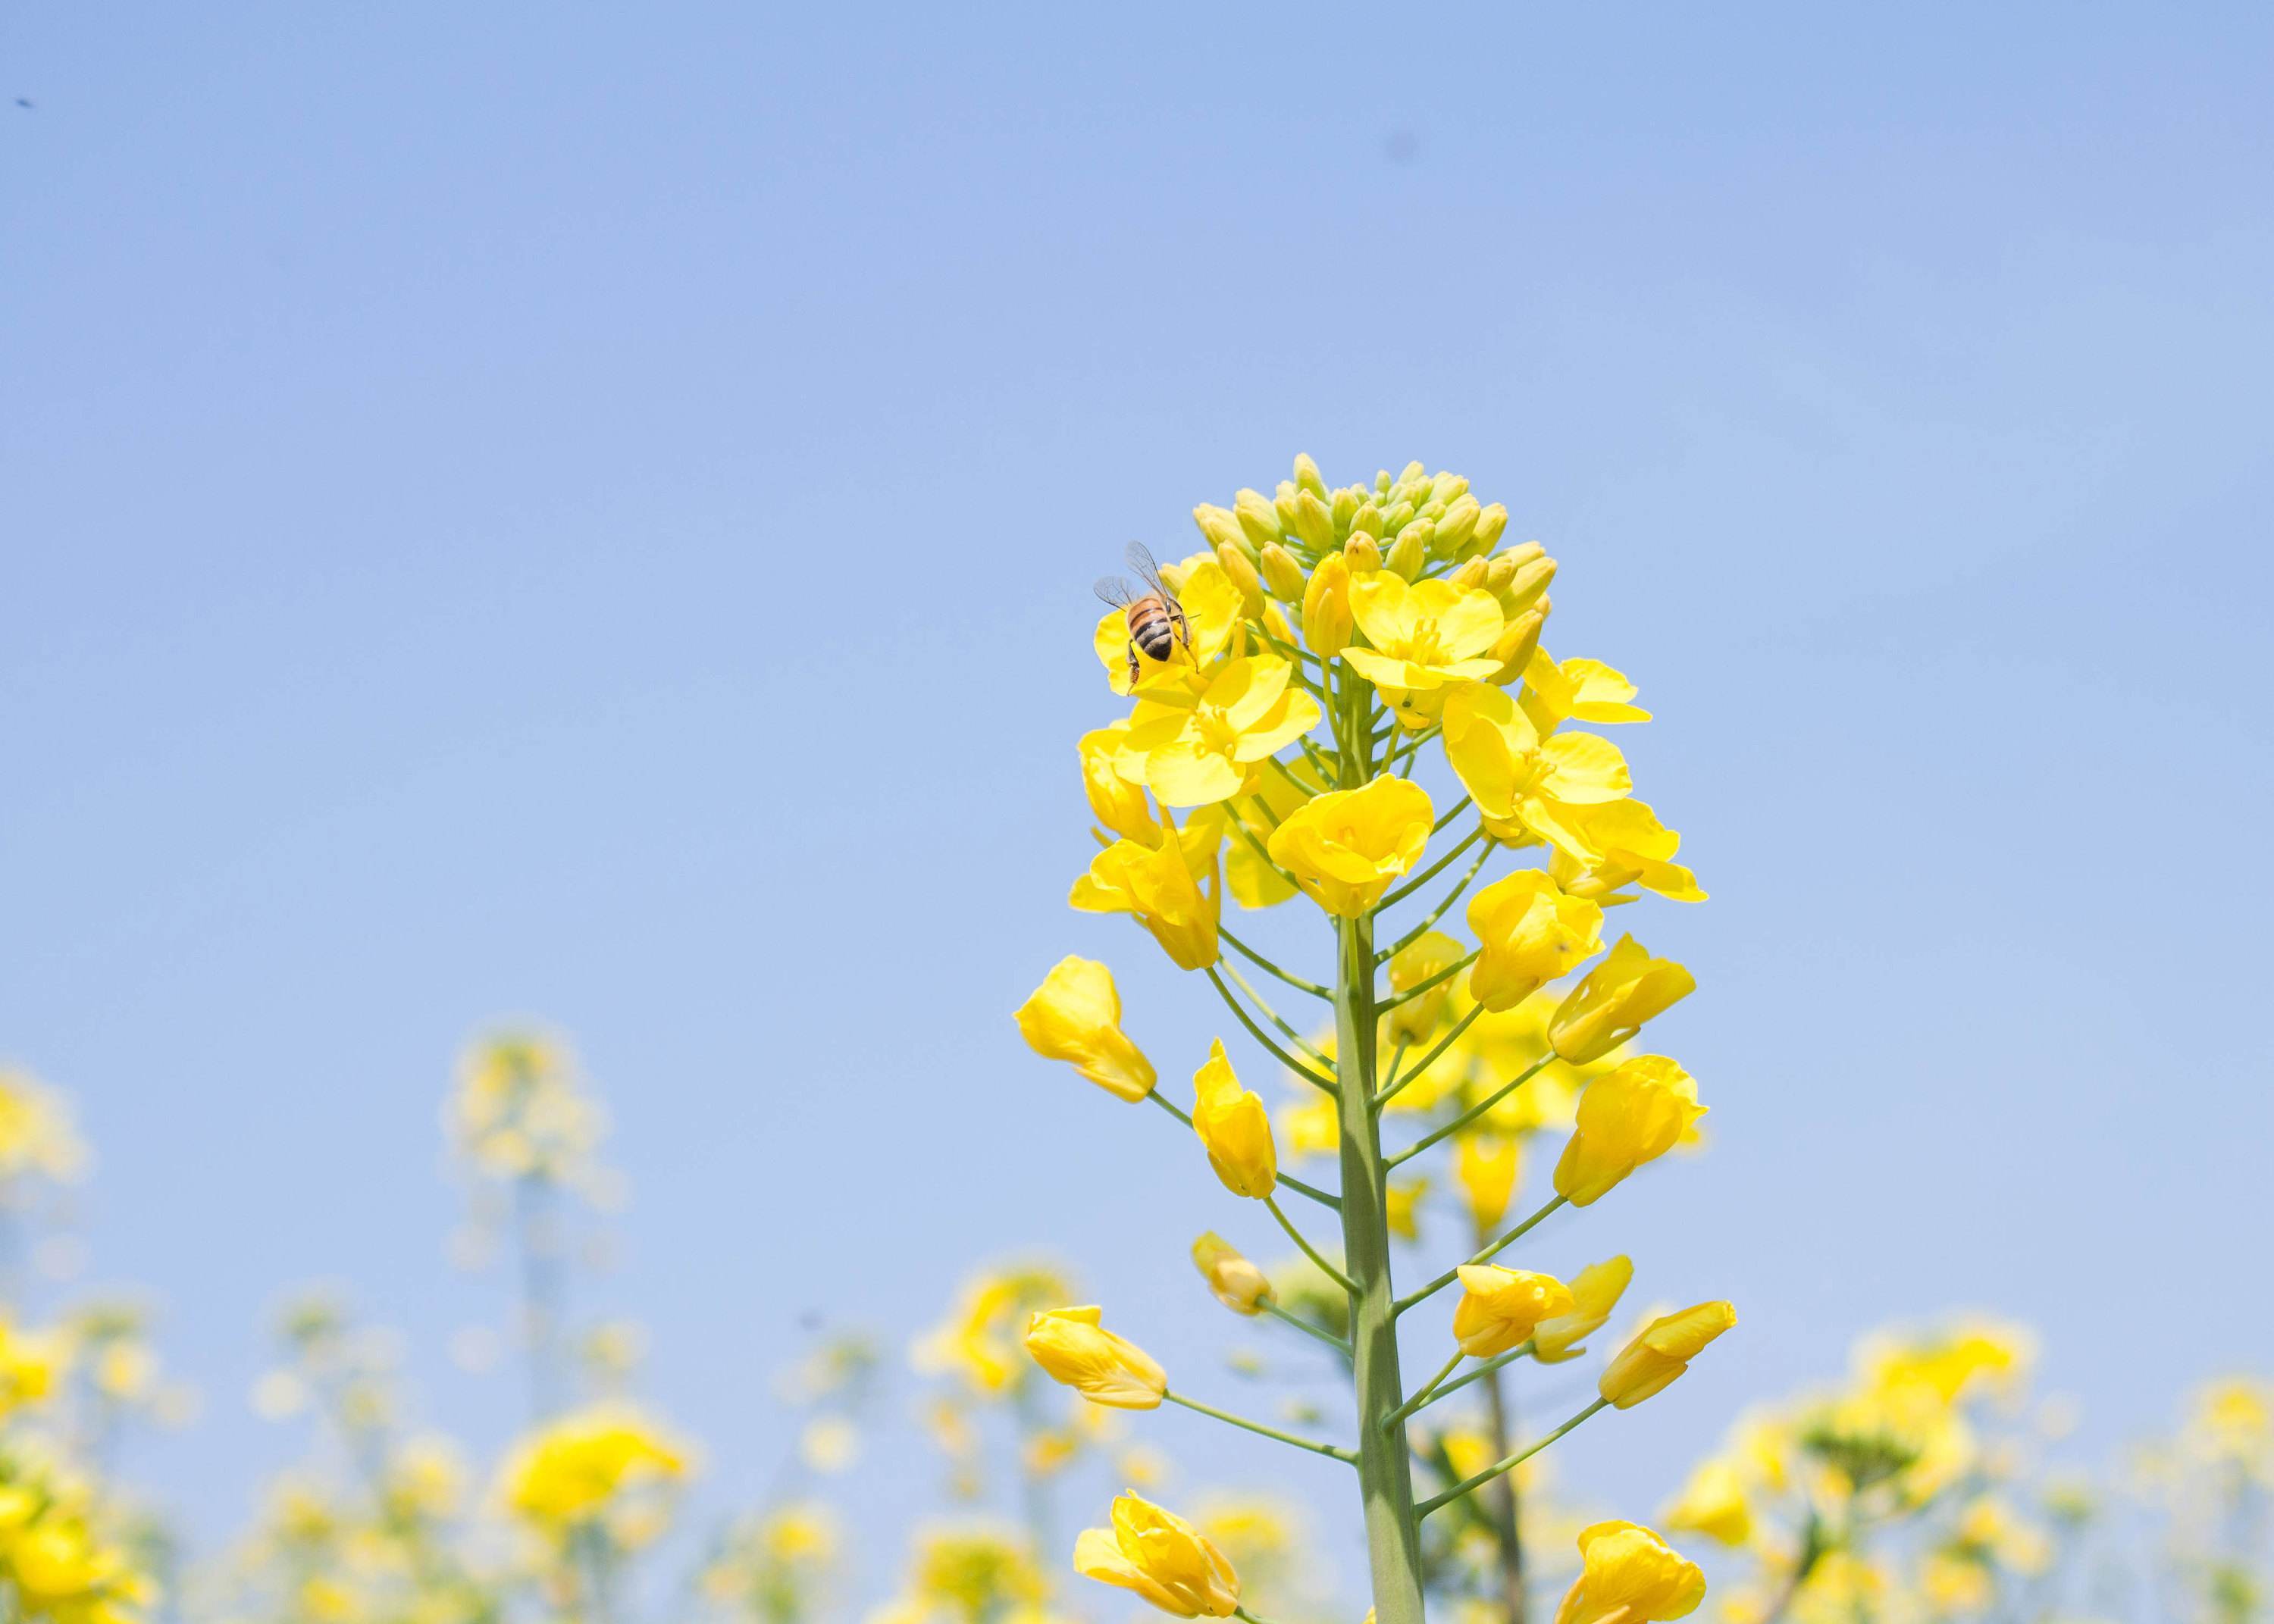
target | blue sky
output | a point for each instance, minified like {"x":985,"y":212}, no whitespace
{"x":556,"y":511}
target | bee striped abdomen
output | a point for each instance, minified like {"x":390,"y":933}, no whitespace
{"x":1152,"y":628}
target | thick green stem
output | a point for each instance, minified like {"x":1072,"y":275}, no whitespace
{"x":1384,"y":1469}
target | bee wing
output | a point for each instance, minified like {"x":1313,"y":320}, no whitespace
{"x":1115,"y":590}
{"x":1140,"y":560}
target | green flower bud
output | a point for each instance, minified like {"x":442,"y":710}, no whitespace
{"x":1525,"y":586}
{"x":1366,"y":520}
{"x":1281,"y":572}
{"x":1490,"y":523}
{"x":1448,"y":488}
{"x":1243,"y":575}
{"x":1473,"y":573}
{"x":1306,"y":476}
{"x":1407,"y":554}
{"x":1259,"y":520}
{"x":1345,"y":508}
{"x":1313,"y":523}
{"x":1457,"y":525}
{"x":1423,"y":532}
{"x":1218,"y":524}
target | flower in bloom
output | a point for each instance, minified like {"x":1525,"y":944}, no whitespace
{"x":1530,"y":933}
{"x":1075,"y":1015}
{"x":1618,"y":995}
{"x":1344,"y":847}
{"x":1663,"y":1351}
{"x":1630,"y":1576}
{"x":1234,"y":1126}
{"x":1117,"y":801}
{"x":1426,"y":637}
{"x":1595,"y":1291}
{"x":1499,"y":1306}
{"x":1525,"y":784}
{"x":1171,"y":889}
{"x":1626,"y":846}
{"x":1713,"y":1503}
{"x":1073,"y":1348}
{"x":1161,"y":1557}
{"x":1626,"y":1117}
{"x":1577,"y":690}
{"x":1401,"y":1207}
{"x":581,"y":1466}
{"x":1238,"y":1284}
{"x":1198,"y":750}
{"x":1255,"y":883}
{"x":36,"y":1135}
{"x":978,"y":1341}
{"x":1485,"y":1167}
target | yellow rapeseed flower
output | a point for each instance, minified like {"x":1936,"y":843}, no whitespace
{"x":1346,"y":846}
{"x":1576,"y":690}
{"x":1424,"y":959}
{"x":1234,"y":1127}
{"x":1425,"y":638}
{"x":1213,"y":607}
{"x":1499,"y":1306}
{"x":1617,"y":997}
{"x":1713,"y":1503}
{"x":1662,"y":1352}
{"x":1074,"y":1349}
{"x":576,"y":1468}
{"x":1162,"y":1558}
{"x":1201,"y":749}
{"x":1171,"y":889}
{"x":1117,"y":801}
{"x":1595,"y":1292}
{"x":1530,"y":933}
{"x":1075,"y":1015}
{"x":1626,"y":1117}
{"x":1630,"y":1576}
{"x":1523,"y":784}
{"x":1238,"y":1284}
{"x":1622,"y":843}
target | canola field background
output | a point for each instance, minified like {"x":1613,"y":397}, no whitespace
{"x":546,"y":564}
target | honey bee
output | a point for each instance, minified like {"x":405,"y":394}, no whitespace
{"x":1156,"y":619}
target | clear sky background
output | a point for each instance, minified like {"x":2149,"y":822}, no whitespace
{"x":590,"y":512}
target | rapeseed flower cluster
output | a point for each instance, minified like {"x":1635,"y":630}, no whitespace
{"x":1358,"y":699}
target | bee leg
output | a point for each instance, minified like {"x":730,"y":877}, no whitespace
{"x":1184,"y":626}
{"x":1133,"y":664}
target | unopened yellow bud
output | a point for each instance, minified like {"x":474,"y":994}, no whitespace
{"x":1326,"y":623}
{"x":1366,"y":520}
{"x":1501,"y":568}
{"x":1343,"y":508}
{"x":1448,"y":488}
{"x":1274,"y":621}
{"x":1457,"y":524}
{"x":1285,"y":499}
{"x":1238,"y":1284}
{"x":1364,"y":554}
{"x":1413,"y":474}
{"x":1473,"y":573}
{"x":1258,"y":520}
{"x":1243,"y":576}
{"x":1526,"y":586}
{"x":1484,"y":1166}
{"x":1281,"y":572}
{"x":1218,"y":524}
{"x":1313,"y":523}
{"x":1307,"y":474}
{"x":1649,"y":1363}
{"x":1520,"y":643}
{"x":1490,"y":524}
{"x":1408,"y":554}
{"x":1399,"y":515}
{"x":1073,"y":1348}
